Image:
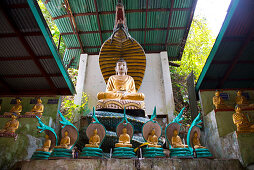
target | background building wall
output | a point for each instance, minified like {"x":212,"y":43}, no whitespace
{"x":156,"y":84}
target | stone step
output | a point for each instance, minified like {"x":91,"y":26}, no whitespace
{"x":132,"y":164}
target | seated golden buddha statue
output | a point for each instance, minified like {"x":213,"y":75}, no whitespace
{"x":46,"y":145}
{"x":65,"y":141}
{"x":17,"y":108}
{"x":94,"y":140}
{"x":121,"y":86}
{"x":153,"y":140}
{"x":196,"y":141}
{"x":11,"y":126}
{"x":241,"y":101}
{"x":37,"y":109}
{"x":124,"y":139}
{"x":219,"y":102}
{"x":176,"y":141}
{"x":241,"y":121}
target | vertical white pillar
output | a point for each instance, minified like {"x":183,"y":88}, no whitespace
{"x":168,"y":91}
{"x":81,"y":78}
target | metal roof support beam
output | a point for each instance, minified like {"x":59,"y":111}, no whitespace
{"x":237,"y":56}
{"x":171,"y":44}
{"x":126,"y":11}
{"x":24,"y":58}
{"x":31,"y":75}
{"x":73,"y":23}
{"x":187,"y":28}
{"x":98,"y":20}
{"x":7,"y":35}
{"x":169,"y":21}
{"x":133,"y":29}
{"x":145,"y":25}
{"x":33,"y":92}
{"x":238,"y":62}
{"x":3,"y":8}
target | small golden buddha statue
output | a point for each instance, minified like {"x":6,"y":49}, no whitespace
{"x":176,"y":141}
{"x":241,"y":101}
{"x":196,"y":141}
{"x":37,"y":108}
{"x":153,"y":140}
{"x":121,"y":86}
{"x":17,"y":108}
{"x":94,"y":140}
{"x":241,"y":121}
{"x":65,"y":141}
{"x":11,"y":126}
{"x":46,"y":145}
{"x":219,"y":102}
{"x":124,"y":139}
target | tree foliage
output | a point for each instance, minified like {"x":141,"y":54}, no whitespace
{"x":197,"y":48}
{"x":53,"y":28}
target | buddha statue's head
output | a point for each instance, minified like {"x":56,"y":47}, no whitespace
{"x":239,"y":93}
{"x":153,"y":132}
{"x":237,"y":109}
{"x":175,"y":132}
{"x":18,"y":101}
{"x":66,"y":133}
{"x":124,"y":130}
{"x":121,"y":67}
{"x":39,"y":100}
{"x":217,"y":93}
{"x":95,"y":131}
{"x":13,"y":116}
{"x":46,"y":136}
{"x":195,"y":134}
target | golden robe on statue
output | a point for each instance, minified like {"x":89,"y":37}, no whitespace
{"x":121,"y":87}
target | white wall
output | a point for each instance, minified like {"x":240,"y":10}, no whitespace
{"x":156,"y":84}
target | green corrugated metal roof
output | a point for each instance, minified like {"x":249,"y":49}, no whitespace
{"x":230,"y":63}
{"x":147,"y":23}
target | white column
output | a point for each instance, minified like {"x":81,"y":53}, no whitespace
{"x":168,"y":91}
{"x":81,"y":78}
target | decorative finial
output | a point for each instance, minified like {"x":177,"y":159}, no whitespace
{"x":154,"y":114}
{"x":94,"y":116}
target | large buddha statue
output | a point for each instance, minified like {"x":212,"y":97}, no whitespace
{"x":176,"y":141}
{"x":11,"y":126}
{"x":65,"y":141}
{"x":153,"y":140}
{"x":94,"y":140}
{"x":46,"y":145}
{"x":219,"y":102}
{"x":196,"y":141}
{"x":121,"y":86}
{"x":37,"y":109}
{"x":124,"y":139}
{"x":241,"y":121}
{"x":17,"y":108}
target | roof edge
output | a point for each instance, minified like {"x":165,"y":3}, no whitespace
{"x":234,"y":4}
{"x":47,"y":35}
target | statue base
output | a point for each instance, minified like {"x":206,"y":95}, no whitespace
{"x":203,"y":153}
{"x":9,"y":135}
{"x":40,"y":155}
{"x":153,"y":152}
{"x":61,"y":153}
{"x":89,"y":152}
{"x":133,"y":107}
{"x":124,"y":152}
{"x":180,"y":153}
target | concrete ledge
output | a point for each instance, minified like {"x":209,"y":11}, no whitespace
{"x":129,"y":164}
